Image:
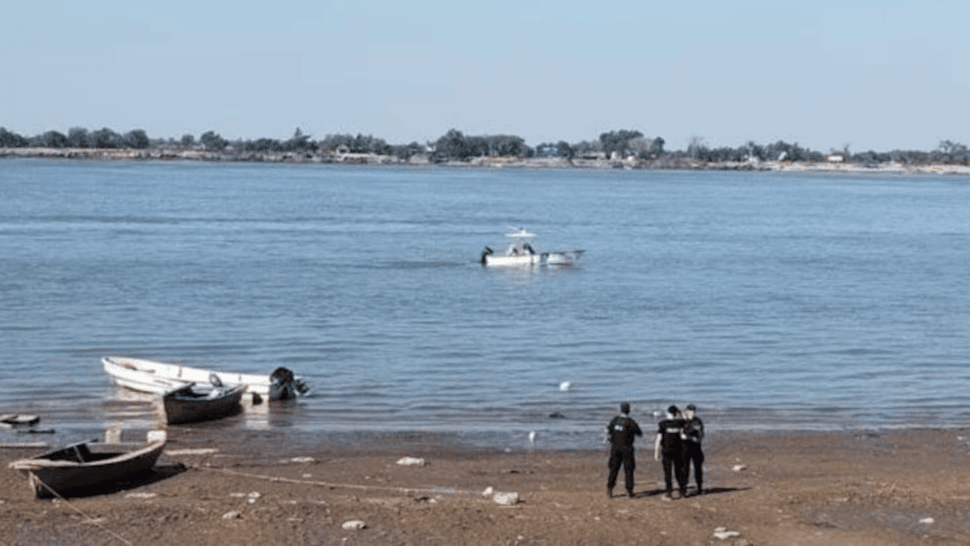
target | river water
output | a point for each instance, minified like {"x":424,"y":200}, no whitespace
{"x":770,"y":300}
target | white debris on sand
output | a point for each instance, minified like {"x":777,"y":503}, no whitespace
{"x":927,"y":521}
{"x":488,"y":492}
{"x":251,"y":496}
{"x":723,"y":534}
{"x":507,"y":499}
{"x":302,"y":460}
{"x":411,"y":461}
{"x":354,"y":525}
{"x":141,"y":495}
{"x":232,"y":515}
{"x":204,"y":451}
{"x":739,"y":467}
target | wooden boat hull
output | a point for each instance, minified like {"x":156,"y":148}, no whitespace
{"x":183,"y":405}
{"x":159,"y":378}
{"x":89,"y":464}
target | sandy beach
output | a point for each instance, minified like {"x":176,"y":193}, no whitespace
{"x":220,"y":487}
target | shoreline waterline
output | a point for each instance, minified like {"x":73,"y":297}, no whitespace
{"x":373,"y":160}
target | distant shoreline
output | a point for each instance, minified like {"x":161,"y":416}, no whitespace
{"x":166,"y":154}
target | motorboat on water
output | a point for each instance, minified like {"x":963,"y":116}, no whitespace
{"x":159,"y":378}
{"x":520,"y":252}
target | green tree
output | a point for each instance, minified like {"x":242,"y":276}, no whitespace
{"x":406,"y":152}
{"x":298,"y":141}
{"x":952,"y":152}
{"x":77,"y":137}
{"x":11,"y":140}
{"x":563,"y":149}
{"x":452,"y":146}
{"x":106,"y":138}
{"x":136,"y":139}
{"x":53,"y":139}
{"x":618,"y":141}
{"x":213,"y":141}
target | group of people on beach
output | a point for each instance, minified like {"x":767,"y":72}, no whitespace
{"x":677,"y":447}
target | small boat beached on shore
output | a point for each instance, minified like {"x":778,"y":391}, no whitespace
{"x":520,"y":252}
{"x":86,"y":465}
{"x":192,"y":403}
{"x":159,"y":378}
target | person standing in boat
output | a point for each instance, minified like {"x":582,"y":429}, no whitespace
{"x":622,"y":432}
{"x":671,"y":446}
{"x":692,"y":435}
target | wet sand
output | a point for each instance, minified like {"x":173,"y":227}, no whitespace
{"x":243,"y":487}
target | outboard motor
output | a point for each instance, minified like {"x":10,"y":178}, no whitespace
{"x":281,"y":375}
{"x":286,"y":384}
{"x":487,"y":252}
{"x":282,"y":382}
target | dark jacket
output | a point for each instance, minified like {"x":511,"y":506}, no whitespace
{"x":623,"y":431}
{"x":694,"y":430}
{"x":669,"y":431}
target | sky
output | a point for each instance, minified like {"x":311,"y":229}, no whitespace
{"x":877,"y":75}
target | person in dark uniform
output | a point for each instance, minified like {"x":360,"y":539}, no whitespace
{"x":622,"y":431}
{"x":671,"y":446}
{"x":692,"y":436}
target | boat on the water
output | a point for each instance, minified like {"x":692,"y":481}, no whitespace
{"x":520,"y":252}
{"x":86,"y":465}
{"x":193,"y":403}
{"x":159,"y":378}
{"x":9,"y":420}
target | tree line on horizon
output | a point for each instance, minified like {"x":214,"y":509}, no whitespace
{"x":454,"y":145}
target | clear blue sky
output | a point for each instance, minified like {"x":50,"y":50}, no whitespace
{"x":873,"y":74}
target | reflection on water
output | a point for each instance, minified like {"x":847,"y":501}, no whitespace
{"x":126,"y":409}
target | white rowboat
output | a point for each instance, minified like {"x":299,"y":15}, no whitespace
{"x":159,"y":378}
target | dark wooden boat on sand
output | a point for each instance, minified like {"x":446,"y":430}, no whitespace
{"x":91,"y":464}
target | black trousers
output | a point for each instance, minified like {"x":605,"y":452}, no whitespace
{"x":620,"y":456}
{"x":673,"y":465}
{"x":693,"y":454}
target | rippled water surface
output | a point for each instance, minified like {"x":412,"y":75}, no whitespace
{"x":769,"y":300}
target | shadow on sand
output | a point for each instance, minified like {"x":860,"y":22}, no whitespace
{"x":691,"y":493}
{"x":141,"y":479}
